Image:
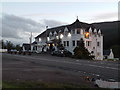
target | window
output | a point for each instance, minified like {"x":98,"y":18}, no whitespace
{"x":98,"y":53}
{"x":67,"y":43}
{"x":66,"y":33}
{"x":73,"y":31}
{"x":92,"y":52}
{"x":87,"y":43}
{"x":36,"y":47}
{"x":95,"y":35}
{"x":73,"y":43}
{"x":78,"y":43}
{"x":64,"y":43}
{"x":98,"y":43}
{"x":87,"y":35}
{"x":78,"y":31}
{"x":50,"y":35}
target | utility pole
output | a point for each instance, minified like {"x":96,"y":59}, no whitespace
{"x":30,"y":38}
{"x":31,"y":41}
{"x":46,"y":33}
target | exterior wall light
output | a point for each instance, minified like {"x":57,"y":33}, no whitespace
{"x":48,"y":44}
{"x":69,"y":34}
{"x":53,"y":44}
{"x":61,"y":36}
{"x":57,"y":37}
{"x":87,"y":35}
{"x":48,"y":38}
{"x":40,"y":39}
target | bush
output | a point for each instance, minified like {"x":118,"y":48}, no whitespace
{"x":24,"y":53}
{"x":81,"y":52}
{"x":67,"y":53}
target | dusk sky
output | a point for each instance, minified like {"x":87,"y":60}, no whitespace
{"x":21,"y":18}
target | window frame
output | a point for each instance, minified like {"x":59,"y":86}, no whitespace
{"x":73,"y":43}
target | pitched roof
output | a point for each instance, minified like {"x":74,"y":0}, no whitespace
{"x":76,"y":24}
{"x":27,"y":46}
{"x":34,"y":42}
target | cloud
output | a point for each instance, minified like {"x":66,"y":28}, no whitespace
{"x":53,"y":23}
{"x":105,"y":16}
{"x":18,"y":29}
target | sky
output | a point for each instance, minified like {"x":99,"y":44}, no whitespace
{"x":19,"y":19}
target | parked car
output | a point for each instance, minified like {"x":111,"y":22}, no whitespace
{"x":61,"y":53}
{"x":58,"y":53}
{"x":13,"y":51}
{"x":20,"y":52}
{"x":67,"y":53}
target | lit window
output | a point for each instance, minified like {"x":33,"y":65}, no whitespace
{"x":48,"y":44}
{"x":69,"y":35}
{"x":57,"y":37}
{"x":48,"y":38}
{"x":61,"y":36}
{"x":53,"y":44}
{"x":39,"y":39}
{"x":87,"y":35}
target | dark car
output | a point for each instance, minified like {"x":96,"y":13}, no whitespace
{"x":67,"y":53}
{"x":58,"y":53}
{"x":13,"y":51}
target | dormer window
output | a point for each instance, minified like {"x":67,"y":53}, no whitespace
{"x":55,"y":34}
{"x":40,"y":39}
{"x":50,"y":35}
{"x":90,"y":31}
{"x":82,"y":31}
{"x":73,"y":31}
{"x":66,"y":31}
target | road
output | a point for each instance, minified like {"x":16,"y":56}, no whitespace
{"x":107,"y":70}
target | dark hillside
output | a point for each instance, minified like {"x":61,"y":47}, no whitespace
{"x":111,"y":32}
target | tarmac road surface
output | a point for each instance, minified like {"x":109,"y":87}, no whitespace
{"x":107,"y":70}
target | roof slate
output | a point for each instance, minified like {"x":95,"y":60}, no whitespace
{"x":76,"y":24}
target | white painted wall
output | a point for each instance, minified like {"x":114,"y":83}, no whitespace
{"x":111,"y":56}
{"x":98,"y":50}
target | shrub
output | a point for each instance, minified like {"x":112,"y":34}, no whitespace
{"x":81,"y":52}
